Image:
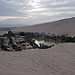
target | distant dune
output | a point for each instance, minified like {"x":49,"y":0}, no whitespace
{"x":2,"y":32}
{"x":59,"y":60}
{"x":65,"y":26}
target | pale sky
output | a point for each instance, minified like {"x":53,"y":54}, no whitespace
{"x":29,"y":12}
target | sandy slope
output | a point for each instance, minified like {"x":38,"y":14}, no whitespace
{"x":2,"y":32}
{"x":65,"y":26}
{"x":59,"y":60}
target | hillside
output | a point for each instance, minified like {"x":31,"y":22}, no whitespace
{"x":59,"y":60}
{"x":2,"y":32}
{"x":64,"y":26}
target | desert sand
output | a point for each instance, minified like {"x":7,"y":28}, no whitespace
{"x":58,"y":60}
{"x":65,"y":26}
{"x":2,"y":32}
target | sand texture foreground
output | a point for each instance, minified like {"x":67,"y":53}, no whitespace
{"x":59,"y":60}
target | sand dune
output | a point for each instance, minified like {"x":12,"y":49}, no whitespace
{"x":2,"y":32}
{"x":58,"y":60}
{"x":65,"y":26}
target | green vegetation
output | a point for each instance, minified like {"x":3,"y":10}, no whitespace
{"x":29,"y":40}
{"x":21,"y":33}
{"x":4,"y":47}
{"x":11,"y":41}
{"x":42,"y":46}
{"x":15,"y":47}
{"x":70,"y":39}
{"x":10,"y":33}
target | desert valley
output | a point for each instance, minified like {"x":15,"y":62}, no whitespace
{"x":42,"y":49}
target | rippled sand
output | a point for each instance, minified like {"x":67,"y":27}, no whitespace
{"x":59,"y":60}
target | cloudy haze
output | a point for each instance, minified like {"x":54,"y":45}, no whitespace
{"x":28,"y":12}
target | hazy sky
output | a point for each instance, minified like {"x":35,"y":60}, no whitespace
{"x":27,"y":12}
